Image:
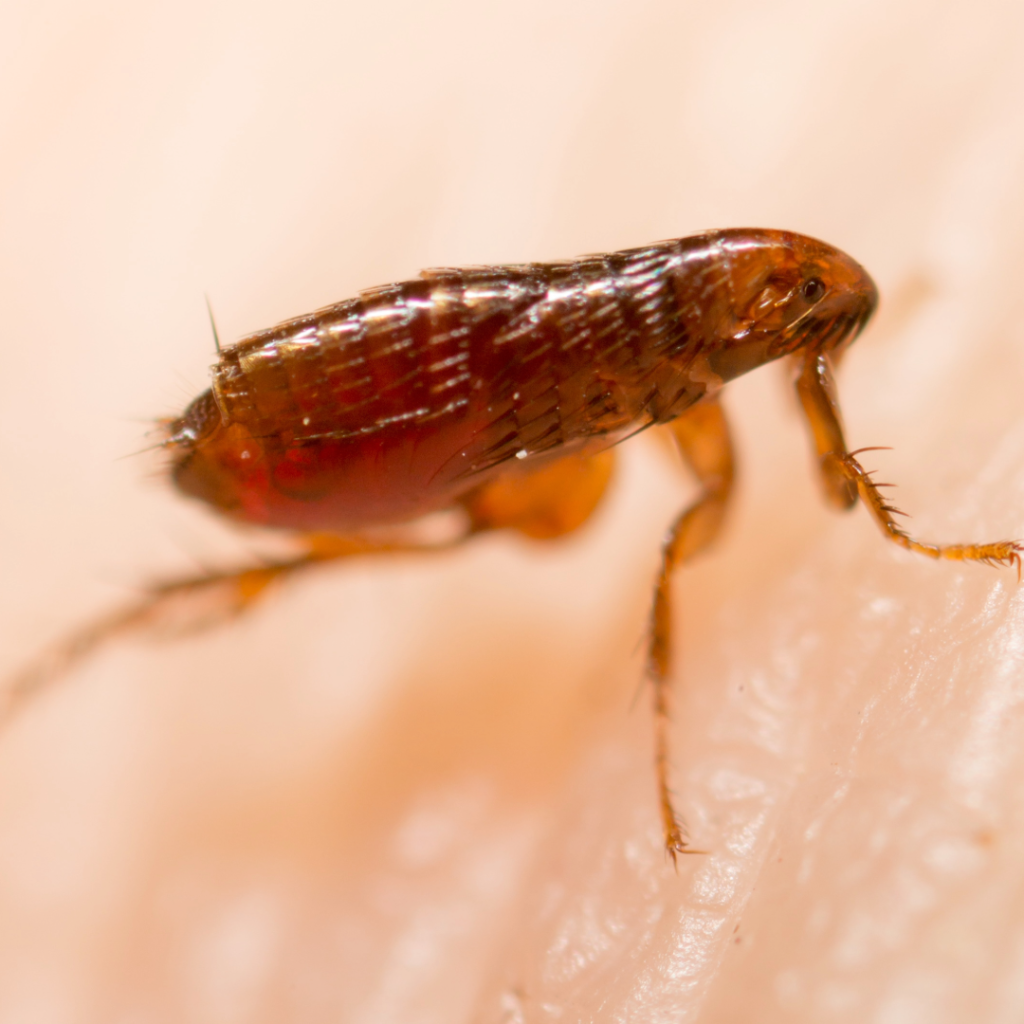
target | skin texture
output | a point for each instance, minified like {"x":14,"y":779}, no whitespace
{"x":414,"y":790}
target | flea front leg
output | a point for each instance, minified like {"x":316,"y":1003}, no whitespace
{"x":845,"y":478}
{"x":702,"y":435}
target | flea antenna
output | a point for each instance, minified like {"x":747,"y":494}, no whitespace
{"x":213,"y":324}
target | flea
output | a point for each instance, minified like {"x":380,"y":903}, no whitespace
{"x":499,"y":393}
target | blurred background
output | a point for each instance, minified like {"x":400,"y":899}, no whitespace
{"x":421,"y":790}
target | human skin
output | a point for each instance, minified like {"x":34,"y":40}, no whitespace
{"x":422,"y":789}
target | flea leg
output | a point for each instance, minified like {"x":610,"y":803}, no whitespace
{"x":230,"y":593}
{"x":549,"y":501}
{"x":546,"y":502}
{"x":702,"y":435}
{"x":845,"y":479}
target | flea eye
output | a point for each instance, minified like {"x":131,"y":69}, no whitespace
{"x":813,"y":289}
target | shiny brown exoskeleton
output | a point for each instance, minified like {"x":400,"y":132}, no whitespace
{"x":499,"y":391}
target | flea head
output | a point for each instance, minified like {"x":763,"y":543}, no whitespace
{"x":785,"y":293}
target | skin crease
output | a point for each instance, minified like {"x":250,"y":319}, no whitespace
{"x":415,"y":790}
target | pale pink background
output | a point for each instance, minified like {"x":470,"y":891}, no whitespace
{"x":417,"y":791}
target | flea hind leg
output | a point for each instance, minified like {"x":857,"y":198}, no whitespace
{"x":177,"y":605}
{"x":845,"y":479}
{"x":548,"y":501}
{"x":542,"y":502}
{"x":702,"y":435}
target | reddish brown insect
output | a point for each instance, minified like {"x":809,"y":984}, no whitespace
{"x":499,"y":391}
